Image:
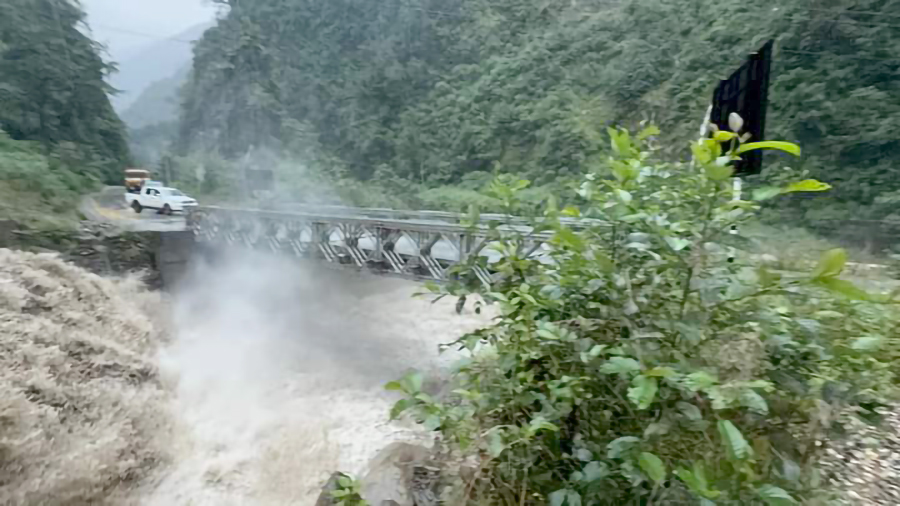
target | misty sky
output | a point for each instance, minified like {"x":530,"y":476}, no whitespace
{"x":111,"y":20}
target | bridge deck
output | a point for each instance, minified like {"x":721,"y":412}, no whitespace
{"x":420,"y":244}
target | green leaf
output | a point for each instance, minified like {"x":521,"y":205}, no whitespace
{"x":496,"y":446}
{"x":594,"y":471}
{"x":690,"y":480}
{"x":700,"y":380}
{"x":653,"y":467}
{"x":724,"y":136}
{"x":787,"y":147}
{"x":619,"y":446}
{"x":656,"y":429}
{"x":399,"y":407}
{"x":572,"y":212}
{"x":643,"y":391}
{"x":432,"y":422}
{"x":547,"y":334}
{"x":539,"y":423}
{"x":696,"y":480}
{"x":648,"y":131}
{"x":567,"y":237}
{"x":831,"y":263}
{"x":807,"y":185}
{"x":558,"y":498}
{"x":701,"y":153}
{"x":766,"y":193}
{"x":620,"y":141}
{"x":661,"y":372}
{"x":412,"y":382}
{"x":735,"y":444}
{"x":677,"y":243}
{"x":565,"y":496}
{"x":690,"y":411}
{"x":754,"y":401}
{"x":624,"y":196}
{"x":620,"y":365}
{"x":867,"y":343}
{"x":718,"y":172}
{"x":846,"y":289}
{"x":394,"y":386}
{"x":774,"y":496}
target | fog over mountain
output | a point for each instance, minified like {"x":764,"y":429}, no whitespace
{"x":149,"y":41}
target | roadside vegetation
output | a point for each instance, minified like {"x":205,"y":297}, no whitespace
{"x":59,"y":136}
{"x":640,"y":365}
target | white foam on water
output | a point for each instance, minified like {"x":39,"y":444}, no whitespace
{"x":280,"y":375}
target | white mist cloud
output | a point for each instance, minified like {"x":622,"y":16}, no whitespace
{"x":280,"y":365}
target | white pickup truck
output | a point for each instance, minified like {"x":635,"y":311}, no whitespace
{"x":163,"y":200}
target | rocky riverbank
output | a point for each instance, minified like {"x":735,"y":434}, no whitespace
{"x":98,"y":247}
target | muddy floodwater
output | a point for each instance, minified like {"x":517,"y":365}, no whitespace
{"x":278,"y":372}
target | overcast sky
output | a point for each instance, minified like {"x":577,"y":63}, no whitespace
{"x":127,"y":26}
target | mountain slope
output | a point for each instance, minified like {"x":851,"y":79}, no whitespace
{"x":158,"y":103}
{"x":431,"y":91}
{"x":158,"y":62}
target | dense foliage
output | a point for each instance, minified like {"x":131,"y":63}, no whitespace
{"x":638,"y":359}
{"x":426,"y":92}
{"x":53,"y":93}
{"x":42,"y":189}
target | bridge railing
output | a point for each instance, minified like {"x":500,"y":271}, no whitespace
{"x":417,"y":244}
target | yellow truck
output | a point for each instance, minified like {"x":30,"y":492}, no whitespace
{"x":135,"y":179}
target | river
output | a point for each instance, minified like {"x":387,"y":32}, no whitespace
{"x":278,"y":371}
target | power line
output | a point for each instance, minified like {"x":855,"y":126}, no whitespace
{"x":142,"y":34}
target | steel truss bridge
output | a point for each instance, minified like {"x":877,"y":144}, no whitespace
{"x":412,"y":244}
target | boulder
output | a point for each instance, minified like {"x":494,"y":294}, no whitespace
{"x":391,"y":474}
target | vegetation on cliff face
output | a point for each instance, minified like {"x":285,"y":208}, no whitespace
{"x":58,"y":132}
{"x":433,"y":93}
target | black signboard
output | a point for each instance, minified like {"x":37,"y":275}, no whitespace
{"x":746,"y":92}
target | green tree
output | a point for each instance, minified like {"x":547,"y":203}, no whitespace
{"x":52,"y":84}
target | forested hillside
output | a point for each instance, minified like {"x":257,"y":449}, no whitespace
{"x":438,"y":93}
{"x":158,"y":103}
{"x":58,"y":132}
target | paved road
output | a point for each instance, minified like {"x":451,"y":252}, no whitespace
{"x":109,"y":206}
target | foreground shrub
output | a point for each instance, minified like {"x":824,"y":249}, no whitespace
{"x":638,"y":360}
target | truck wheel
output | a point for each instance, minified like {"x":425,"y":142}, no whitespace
{"x":137,"y":206}
{"x":166,"y":210}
